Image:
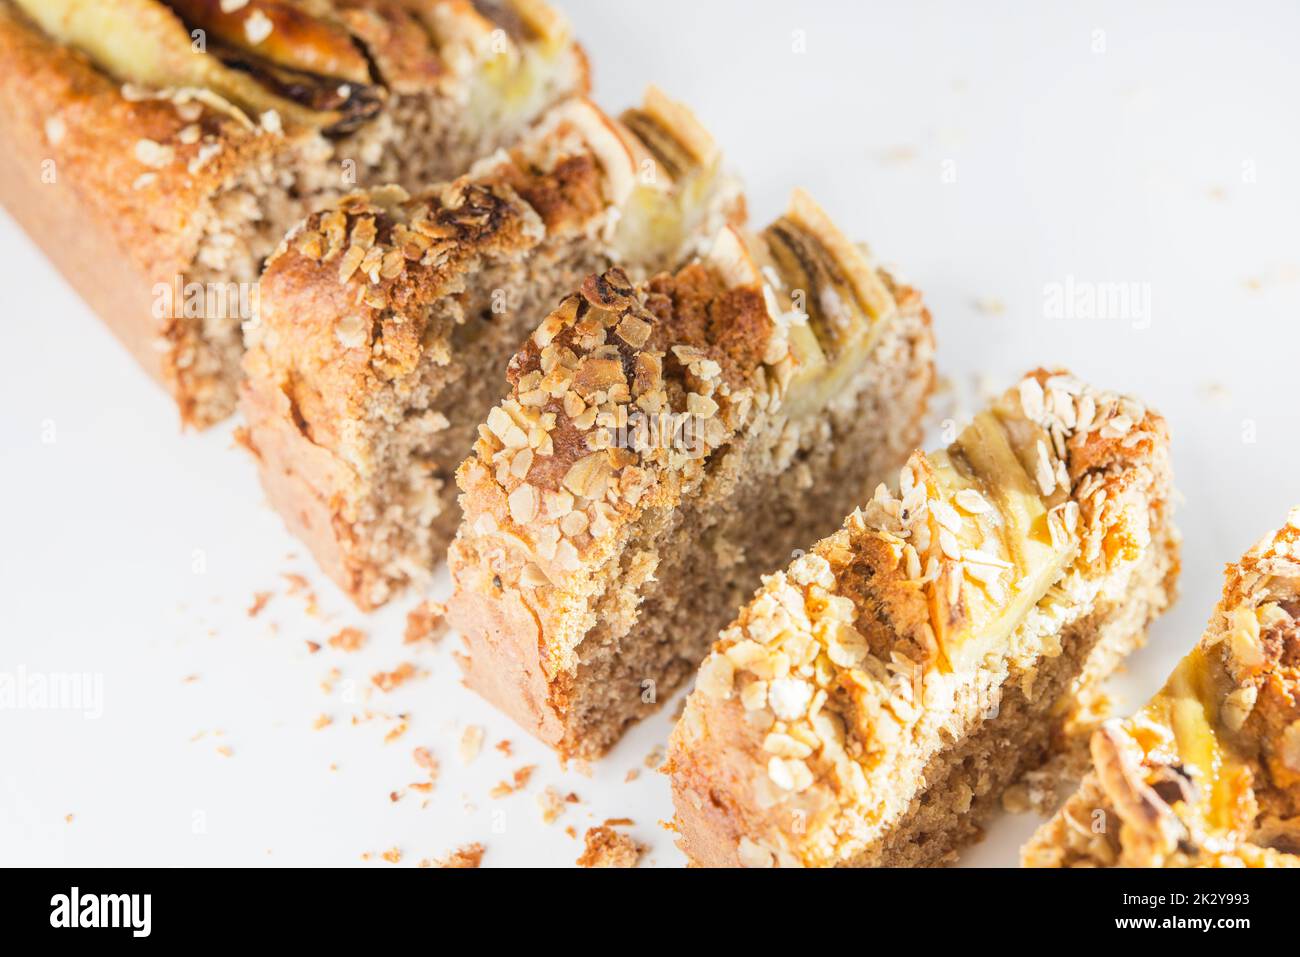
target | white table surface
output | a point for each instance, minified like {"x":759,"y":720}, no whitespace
{"x":987,"y":150}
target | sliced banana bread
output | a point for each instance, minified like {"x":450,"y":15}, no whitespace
{"x":1208,"y":773}
{"x":158,"y":150}
{"x":871,"y":703}
{"x":387,"y":322}
{"x":662,"y":445}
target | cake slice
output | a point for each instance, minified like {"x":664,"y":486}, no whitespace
{"x":1208,"y":773}
{"x":662,"y":445}
{"x":871,"y":703}
{"x":158,"y":150}
{"x":387,"y":321}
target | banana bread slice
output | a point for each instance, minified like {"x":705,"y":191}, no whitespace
{"x":158,"y":150}
{"x":871,"y":703}
{"x":663,"y":444}
{"x":1208,"y":773}
{"x":387,"y":321}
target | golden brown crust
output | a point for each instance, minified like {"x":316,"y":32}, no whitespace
{"x":793,"y":748}
{"x":1208,"y":773}
{"x":114,"y":224}
{"x":117,"y":182}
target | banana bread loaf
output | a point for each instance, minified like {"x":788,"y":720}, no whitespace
{"x":1208,"y":773}
{"x":871,"y":703}
{"x":158,"y":150}
{"x":387,"y":322}
{"x":663,"y":444}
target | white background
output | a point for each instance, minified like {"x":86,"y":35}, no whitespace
{"x":987,"y":150}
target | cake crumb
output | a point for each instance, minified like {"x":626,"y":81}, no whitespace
{"x":632,"y":775}
{"x":393,"y":855}
{"x":521,"y":779}
{"x":427,"y":620}
{"x":506,"y":748}
{"x":552,"y":805}
{"x":425,"y":760}
{"x":322,"y":721}
{"x":225,"y":750}
{"x":300,"y":586}
{"x":68,"y":818}
{"x":471,"y":741}
{"x":654,"y":758}
{"x":396,"y":732}
{"x":348,"y":639}
{"x":388,"y":680}
{"x":259,"y":602}
{"x":606,"y":847}
{"x":471,"y":855}
{"x":313,"y":647}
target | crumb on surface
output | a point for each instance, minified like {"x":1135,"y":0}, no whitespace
{"x":471,"y":855}
{"x":471,"y":741}
{"x":259,"y":602}
{"x":426,"y":621}
{"x":606,"y":847}
{"x":425,"y":760}
{"x":388,"y":680}
{"x":393,"y":855}
{"x":348,"y":639}
{"x":519,"y":782}
{"x":322,"y":721}
{"x":552,"y":805}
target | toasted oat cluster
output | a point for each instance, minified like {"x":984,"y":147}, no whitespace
{"x":189,"y":135}
{"x":1208,"y":773}
{"x":871,"y":702}
{"x":387,"y":320}
{"x":662,"y":444}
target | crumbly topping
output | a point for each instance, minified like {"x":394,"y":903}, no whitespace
{"x":618,"y":399}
